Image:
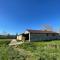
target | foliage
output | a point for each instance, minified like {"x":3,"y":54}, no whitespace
{"x":28,"y":46}
{"x":30,"y":51}
{"x":8,"y":36}
{"x":2,"y":42}
{"x":44,"y":50}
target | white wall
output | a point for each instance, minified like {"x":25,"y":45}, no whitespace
{"x":19,"y":37}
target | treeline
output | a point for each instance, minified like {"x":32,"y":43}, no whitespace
{"x":8,"y":36}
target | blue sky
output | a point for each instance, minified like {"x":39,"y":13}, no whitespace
{"x":18,"y":15}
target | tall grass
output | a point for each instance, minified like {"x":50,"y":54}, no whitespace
{"x":30,"y":51}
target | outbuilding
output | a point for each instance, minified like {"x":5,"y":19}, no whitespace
{"x":39,"y":35}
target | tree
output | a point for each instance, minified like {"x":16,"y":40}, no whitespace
{"x":47,"y":27}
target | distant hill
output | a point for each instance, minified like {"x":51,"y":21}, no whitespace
{"x":8,"y":36}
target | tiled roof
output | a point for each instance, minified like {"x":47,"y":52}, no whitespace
{"x":40,"y":31}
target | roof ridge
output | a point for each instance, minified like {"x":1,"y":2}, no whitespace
{"x":40,"y":31}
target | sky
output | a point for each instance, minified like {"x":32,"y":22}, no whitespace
{"x":18,"y":15}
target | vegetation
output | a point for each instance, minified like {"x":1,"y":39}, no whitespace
{"x":30,"y":51}
{"x":8,"y":36}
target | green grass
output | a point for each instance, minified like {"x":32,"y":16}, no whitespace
{"x":4,"y":42}
{"x":44,"y":50}
{"x":30,"y":51}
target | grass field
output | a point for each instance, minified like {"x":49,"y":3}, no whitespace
{"x":30,"y":51}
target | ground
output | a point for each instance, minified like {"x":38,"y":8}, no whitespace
{"x":30,"y":51}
